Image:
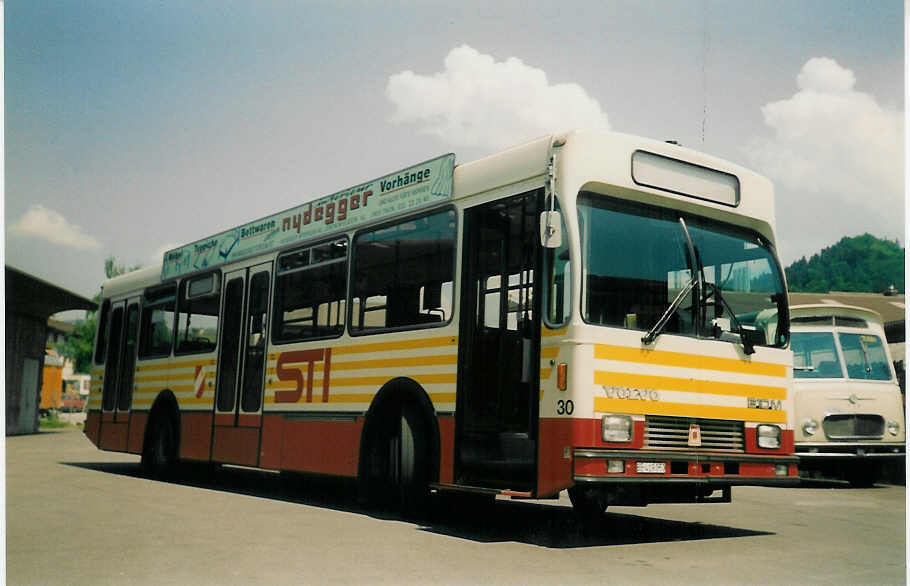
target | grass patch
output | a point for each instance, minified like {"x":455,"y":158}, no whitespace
{"x":52,"y":422}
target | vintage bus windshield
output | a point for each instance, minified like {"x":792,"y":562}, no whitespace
{"x":636,"y":261}
{"x":815,"y":356}
{"x":865,"y":356}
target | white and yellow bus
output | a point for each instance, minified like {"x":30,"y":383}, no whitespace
{"x":594,"y":312}
{"x":848,"y":405}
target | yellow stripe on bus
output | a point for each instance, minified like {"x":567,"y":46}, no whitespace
{"x":174,"y":365}
{"x":547,"y":332}
{"x":665,"y":358}
{"x":362,"y":398}
{"x":687,"y":385}
{"x":147,"y":378}
{"x":637,"y":407}
{"x":388,"y":346}
{"x":550,"y":352}
{"x":366,"y":381}
{"x":439,"y":360}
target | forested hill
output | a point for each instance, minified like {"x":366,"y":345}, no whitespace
{"x":861,"y":263}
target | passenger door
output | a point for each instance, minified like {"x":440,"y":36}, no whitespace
{"x":497,"y":405}
{"x":119,"y":372}
{"x":241,"y":365}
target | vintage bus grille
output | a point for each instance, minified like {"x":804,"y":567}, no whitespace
{"x":850,"y":426}
{"x":672,"y":433}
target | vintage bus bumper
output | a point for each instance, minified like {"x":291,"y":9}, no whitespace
{"x":842,"y":451}
{"x":705,"y":469}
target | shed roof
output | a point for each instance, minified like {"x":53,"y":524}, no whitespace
{"x":29,"y":295}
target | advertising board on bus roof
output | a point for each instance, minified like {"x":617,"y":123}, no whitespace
{"x":416,"y":187}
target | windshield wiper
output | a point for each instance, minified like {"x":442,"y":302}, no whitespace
{"x":866,"y":361}
{"x":748,"y":347}
{"x":662,"y":322}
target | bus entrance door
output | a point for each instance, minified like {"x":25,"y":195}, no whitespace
{"x":241,"y":366}
{"x":117,"y":393}
{"x":497,"y":406}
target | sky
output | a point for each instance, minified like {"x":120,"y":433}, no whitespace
{"x":135,"y":127}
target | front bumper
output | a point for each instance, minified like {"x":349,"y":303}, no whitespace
{"x":714,"y":469}
{"x":842,"y":451}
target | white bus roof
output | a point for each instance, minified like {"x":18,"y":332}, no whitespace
{"x":831,"y":309}
{"x":131,"y":282}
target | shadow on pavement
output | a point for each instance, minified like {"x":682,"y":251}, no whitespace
{"x":552,"y":525}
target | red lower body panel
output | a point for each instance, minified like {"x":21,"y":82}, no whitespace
{"x":236,"y":445}
{"x":323,"y":447}
{"x":138,"y":421}
{"x":114,"y":436}
{"x":93,"y":427}
{"x":446,"y":449}
{"x":195,"y":435}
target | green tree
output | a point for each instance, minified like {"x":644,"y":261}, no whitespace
{"x":79,"y":346}
{"x":860,"y":264}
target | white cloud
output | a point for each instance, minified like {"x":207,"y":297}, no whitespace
{"x":50,"y":225}
{"x":479,"y":102}
{"x":157,"y":256}
{"x":838,"y":150}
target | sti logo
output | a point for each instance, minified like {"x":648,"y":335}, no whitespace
{"x":290,"y":367}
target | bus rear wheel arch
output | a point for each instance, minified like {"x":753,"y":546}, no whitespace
{"x":160,"y":447}
{"x":399,"y":449}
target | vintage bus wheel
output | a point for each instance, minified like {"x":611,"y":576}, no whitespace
{"x":395,"y":469}
{"x":410,"y":465}
{"x":588,"y":501}
{"x":160,"y":451}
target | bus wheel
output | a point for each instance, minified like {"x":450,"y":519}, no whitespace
{"x":588,"y":501}
{"x":410,"y":465}
{"x":159,"y":454}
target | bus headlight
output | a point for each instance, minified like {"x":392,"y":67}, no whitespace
{"x":616,"y":428}
{"x":810,"y":426}
{"x":768,"y":436}
{"x":894,"y":427}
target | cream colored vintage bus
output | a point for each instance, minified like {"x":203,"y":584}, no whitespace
{"x":849,"y":408}
{"x":594,"y":312}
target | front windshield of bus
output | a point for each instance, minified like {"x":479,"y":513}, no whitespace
{"x":815,"y":355}
{"x":636,"y":262}
{"x":865,"y":356}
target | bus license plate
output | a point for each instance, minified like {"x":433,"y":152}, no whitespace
{"x":651,"y":467}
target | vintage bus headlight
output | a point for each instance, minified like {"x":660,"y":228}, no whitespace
{"x":810,"y":426}
{"x":894,"y":427}
{"x":768,"y":436}
{"x":616,"y":428}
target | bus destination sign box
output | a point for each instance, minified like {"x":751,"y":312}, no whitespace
{"x":416,"y":187}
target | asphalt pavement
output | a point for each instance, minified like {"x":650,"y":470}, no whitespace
{"x":76,"y":515}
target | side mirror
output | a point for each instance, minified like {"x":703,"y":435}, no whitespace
{"x":550,"y":229}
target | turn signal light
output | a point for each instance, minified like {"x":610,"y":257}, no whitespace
{"x":562,"y":376}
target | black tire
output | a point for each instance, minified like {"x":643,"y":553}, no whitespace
{"x":411,"y":478}
{"x":395,"y":471}
{"x":588,"y":502}
{"x":159,"y":454}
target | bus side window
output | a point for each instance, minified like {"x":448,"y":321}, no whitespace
{"x":404,"y":274}
{"x":197,"y":322}
{"x":310,"y":292}
{"x":156,"y":329}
